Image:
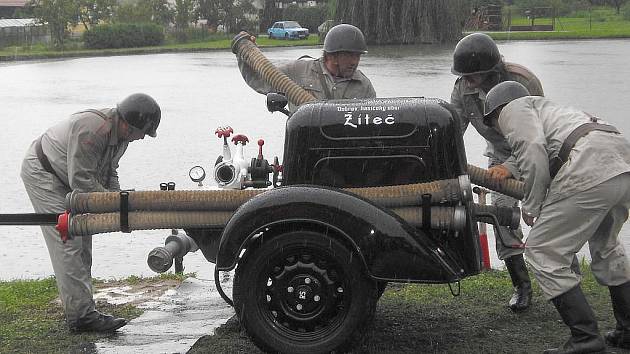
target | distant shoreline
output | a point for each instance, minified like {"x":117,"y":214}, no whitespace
{"x":19,"y":54}
{"x":6,"y":56}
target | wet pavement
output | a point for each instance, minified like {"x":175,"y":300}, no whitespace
{"x":171,"y":323}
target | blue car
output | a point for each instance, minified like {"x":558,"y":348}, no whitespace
{"x":287,"y":30}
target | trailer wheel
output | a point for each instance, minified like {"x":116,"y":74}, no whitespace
{"x":303,"y":292}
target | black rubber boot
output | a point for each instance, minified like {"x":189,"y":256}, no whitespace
{"x":620,"y":296}
{"x":102,"y":323}
{"x":578,"y":315}
{"x":522,"y":297}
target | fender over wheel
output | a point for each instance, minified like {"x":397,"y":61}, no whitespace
{"x":303,"y":292}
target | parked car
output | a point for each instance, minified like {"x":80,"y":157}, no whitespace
{"x":287,"y":30}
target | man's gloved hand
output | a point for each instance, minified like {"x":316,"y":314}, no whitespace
{"x":528,"y":219}
{"x":240,"y":36}
{"x":499,"y":172}
{"x":251,"y":38}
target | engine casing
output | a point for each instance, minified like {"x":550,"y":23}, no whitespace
{"x":373,"y":142}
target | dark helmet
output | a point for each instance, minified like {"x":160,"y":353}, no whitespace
{"x":503,"y":93}
{"x":345,"y":38}
{"x":142,"y":112}
{"x":475,"y":54}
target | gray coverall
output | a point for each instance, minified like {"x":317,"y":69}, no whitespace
{"x":84,"y":151}
{"x":468,"y":103}
{"x":587,"y":201}
{"x":312,"y":76}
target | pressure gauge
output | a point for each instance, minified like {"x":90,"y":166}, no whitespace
{"x":197,"y":174}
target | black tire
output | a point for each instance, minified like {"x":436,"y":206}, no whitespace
{"x":286,"y":35}
{"x":270,"y":35}
{"x":284,"y":312}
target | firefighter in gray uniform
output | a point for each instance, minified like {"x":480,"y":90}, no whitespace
{"x":577,"y":190}
{"x":82,"y":153}
{"x":479,"y":65}
{"x":332,"y":76}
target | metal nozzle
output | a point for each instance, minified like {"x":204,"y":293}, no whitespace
{"x":160,"y":259}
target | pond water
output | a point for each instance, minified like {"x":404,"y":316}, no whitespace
{"x":201,"y":91}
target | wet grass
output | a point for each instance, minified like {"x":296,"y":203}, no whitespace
{"x":409,"y":319}
{"x":428,"y":319}
{"x":600,"y":23}
{"x":31,"y":321}
{"x":75,"y":50}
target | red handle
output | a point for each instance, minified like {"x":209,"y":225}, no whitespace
{"x":224,"y":132}
{"x":62,"y":225}
{"x":240,"y":138}
{"x":260,"y":145}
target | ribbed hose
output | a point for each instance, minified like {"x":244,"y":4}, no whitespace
{"x":450,"y":190}
{"x":441,"y":191}
{"x":106,"y":202}
{"x":244,"y":48}
{"x":510,"y":187}
{"x":453,"y":218}
{"x":90,"y":224}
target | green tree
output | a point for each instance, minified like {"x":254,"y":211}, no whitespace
{"x":307,"y":17}
{"x":184,"y":13}
{"x":270,"y":14}
{"x":144,"y":11}
{"x":132,"y":12}
{"x":209,"y":11}
{"x":92,"y":12}
{"x":405,"y":21}
{"x":617,"y":4}
{"x":161,"y":12}
{"x":59,"y":15}
{"x":234,"y":15}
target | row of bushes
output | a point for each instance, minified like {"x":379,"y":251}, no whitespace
{"x":124,"y":35}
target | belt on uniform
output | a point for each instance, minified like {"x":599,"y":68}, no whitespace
{"x":43,"y":160}
{"x":556,"y":163}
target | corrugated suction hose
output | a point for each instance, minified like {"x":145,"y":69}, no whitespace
{"x":245,"y":49}
{"x":450,"y":190}
{"x":445,"y":218}
{"x":90,"y":224}
{"x":510,"y":187}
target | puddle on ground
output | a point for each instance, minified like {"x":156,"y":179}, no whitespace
{"x":174,"y":318}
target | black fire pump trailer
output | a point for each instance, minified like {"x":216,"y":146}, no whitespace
{"x":371,"y":191}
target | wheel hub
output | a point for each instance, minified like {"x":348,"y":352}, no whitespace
{"x":304,"y":294}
